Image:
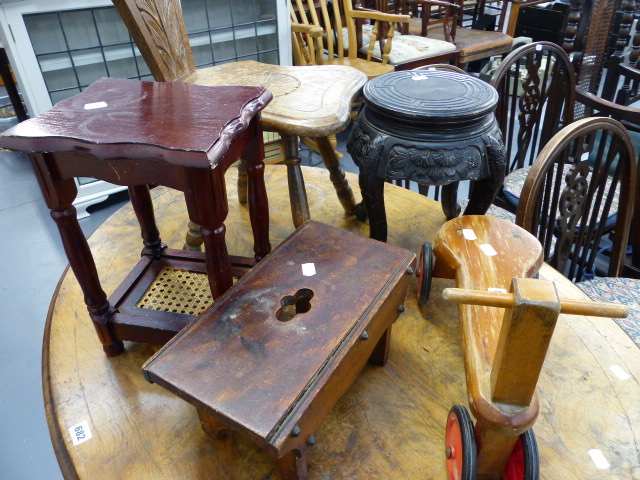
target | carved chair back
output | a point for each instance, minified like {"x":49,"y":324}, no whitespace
{"x":589,"y":28}
{"x":585,"y":174}
{"x":341,"y":26}
{"x":157,"y":27}
{"x":535,"y":84}
{"x":445,"y":14}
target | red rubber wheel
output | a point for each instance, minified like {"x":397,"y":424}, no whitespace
{"x":424,"y":273}
{"x":524,"y":463}
{"x":460,"y":445}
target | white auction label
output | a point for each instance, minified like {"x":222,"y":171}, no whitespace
{"x":598,"y":458}
{"x":488,"y":250}
{"x":308,"y":269}
{"x":80,"y":433}
{"x":497,"y":290}
{"x":469,"y":234}
{"x":93,"y":106}
{"x":619,"y":372}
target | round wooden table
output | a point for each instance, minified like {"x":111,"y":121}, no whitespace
{"x":389,"y":425}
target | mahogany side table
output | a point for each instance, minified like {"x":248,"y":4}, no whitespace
{"x":434,"y":127}
{"x":276,"y":352}
{"x":135,"y":133}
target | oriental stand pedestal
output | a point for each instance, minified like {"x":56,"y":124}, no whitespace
{"x":433,"y":127}
{"x":135,"y":133}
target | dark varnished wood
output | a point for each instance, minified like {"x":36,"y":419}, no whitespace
{"x":433,"y":127}
{"x":276,"y":379}
{"x":179,"y":135}
{"x":388,"y":425}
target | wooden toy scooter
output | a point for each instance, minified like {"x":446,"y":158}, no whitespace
{"x":493,"y":262}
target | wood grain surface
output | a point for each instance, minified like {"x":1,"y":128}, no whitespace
{"x":389,"y":425}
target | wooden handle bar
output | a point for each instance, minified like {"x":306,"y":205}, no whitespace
{"x":505,"y":300}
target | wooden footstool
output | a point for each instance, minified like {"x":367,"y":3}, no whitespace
{"x":275,"y":353}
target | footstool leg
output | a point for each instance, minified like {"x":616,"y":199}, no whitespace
{"x":292,"y":466}
{"x":297,"y":192}
{"x":380,"y":353}
{"x":336,"y":174}
{"x":212,"y":426}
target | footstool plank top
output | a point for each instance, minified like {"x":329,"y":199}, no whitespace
{"x":180,"y":123}
{"x":242,"y":363}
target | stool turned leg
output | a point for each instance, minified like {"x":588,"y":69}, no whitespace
{"x":206,"y":199}
{"x":297,"y":192}
{"x":292,"y":466}
{"x":372,"y":189}
{"x":242,"y":181}
{"x":336,"y":174}
{"x":143,"y":208}
{"x":253,"y":153}
{"x":193,"y":239}
{"x":84,"y":268}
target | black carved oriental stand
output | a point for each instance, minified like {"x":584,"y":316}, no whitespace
{"x":433,"y":127}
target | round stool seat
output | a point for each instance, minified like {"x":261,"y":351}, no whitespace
{"x":436,"y":98}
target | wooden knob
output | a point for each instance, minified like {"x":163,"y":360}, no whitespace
{"x":505,"y":300}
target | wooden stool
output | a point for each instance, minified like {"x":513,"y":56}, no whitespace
{"x":137,"y":133}
{"x":434,"y":127}
{"x":277,"y":350}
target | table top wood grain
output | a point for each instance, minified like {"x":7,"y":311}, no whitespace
{"x":389,"y":424}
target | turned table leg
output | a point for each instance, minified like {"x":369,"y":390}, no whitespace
{"x":297,"y":192}
{"x":336,"y":174}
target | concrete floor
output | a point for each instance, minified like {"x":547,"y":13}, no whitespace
{"x":31,"y":263}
